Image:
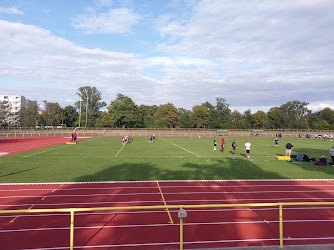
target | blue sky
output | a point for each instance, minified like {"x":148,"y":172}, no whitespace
{"x":256,"y":54}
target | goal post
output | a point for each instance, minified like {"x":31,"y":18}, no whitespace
{"x":256,"y":132}
{"x":222,"y":132}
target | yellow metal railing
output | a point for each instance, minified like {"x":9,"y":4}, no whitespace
{"x":180,"y":207}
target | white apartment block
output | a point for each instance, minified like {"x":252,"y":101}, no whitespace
{"x":16,"y":102}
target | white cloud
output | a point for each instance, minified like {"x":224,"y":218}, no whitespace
{"x":319,"y":107}
{"x":252,"y":53}
{"x":56,"y":63}
{"x":11,"y":11}
{"x":114,"y":21}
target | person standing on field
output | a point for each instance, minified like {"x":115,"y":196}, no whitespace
{"x":331,"y":153}
{"x":276,"y":142}
{"x":75,"y":137}
{"x":234,"y":145}
{"x":288,"y":148}
{"x":223,"y":145}
{"x":248,"y":148}
{"x":214,"y":143}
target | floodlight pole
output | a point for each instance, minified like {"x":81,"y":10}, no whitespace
{"x":80,"y":111}
{"x":86,"y":111}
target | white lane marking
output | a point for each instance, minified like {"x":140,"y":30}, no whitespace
{"x":174,"y":193}
{"x":162,"y":225}
{"x":136,"y":187}
{"x":169,"y":201}
{"x":180,"y":147}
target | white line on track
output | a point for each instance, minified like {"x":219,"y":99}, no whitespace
{"x":175,"y":181}
{"x":183,"y":202}
{"x":175,"y":193}
{"x":180,"y":147}
{"x":120,"y":150}
{"x":135,"y":187}
{"x":45,"y":151}
{"x":163,"y":225}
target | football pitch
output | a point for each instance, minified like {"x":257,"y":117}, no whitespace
{"x":168,"y":158}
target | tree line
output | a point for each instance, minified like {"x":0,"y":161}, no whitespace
{"x":124,"y":113}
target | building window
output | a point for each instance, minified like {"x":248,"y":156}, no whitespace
{"x":5,"y":97}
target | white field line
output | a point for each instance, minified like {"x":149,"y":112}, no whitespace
{"x":180,"y":147}
{"x":174,"y":193}
{"x":120,"y":150}
{"x":45,"y":151}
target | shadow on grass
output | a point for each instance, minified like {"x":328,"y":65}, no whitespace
{"x":309,"y":166}
{"x":220,"y":169}
{"x":18,"y":172}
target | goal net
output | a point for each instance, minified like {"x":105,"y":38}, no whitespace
{"x":222,"y":132}
{"x":257,"y":133}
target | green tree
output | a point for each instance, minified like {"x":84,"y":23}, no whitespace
{"x":215,"y":117}
{"x":123,"y":112}
{"x":69,"y":116}
{"x":294,"y":114}
{"x":200,"y":116}
{"x":146,"y":114}
{"x":166,"y":116}
{"x":250,"y":119}
{"x":185,"y":120}
{"x":92,"y":97}
{"x":260,"y":118}
{"x":52,"y":114}
{"x":273,"y":118}
{"x":238,"y":120}
{"x":223,"y":109}
{"x":327,"y":114}
{"x":215,"y":120}
{"x":29,"y":115}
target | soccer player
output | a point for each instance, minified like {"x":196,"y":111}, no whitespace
{"x":223,"y":145}
{"x":248,"y":148}
{"x":234,"y":145}
{"x":276,"y":142}
{"x":214,"y":143}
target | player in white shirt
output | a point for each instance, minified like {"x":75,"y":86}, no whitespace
{"x":248,"y":148}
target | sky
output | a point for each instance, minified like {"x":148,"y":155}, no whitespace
{"x":256,"y":54}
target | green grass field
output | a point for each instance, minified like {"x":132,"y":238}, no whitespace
{"x":168,"y":158}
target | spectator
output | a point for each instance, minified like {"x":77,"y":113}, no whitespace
{"x":323,"y":160}
{"x":299,"y":157}
{"x":331,"y":153}
{"x":288,"y":148}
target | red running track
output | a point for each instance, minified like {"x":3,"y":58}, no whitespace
{"x":138,"y":229}
{"x":16,"y":145}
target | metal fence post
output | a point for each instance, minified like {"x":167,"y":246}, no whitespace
{"x":72,"y":229}
{"x":281,"y":224}
{"x":182,"y":214}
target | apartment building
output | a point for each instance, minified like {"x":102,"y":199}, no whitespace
{"x":16,"y":102}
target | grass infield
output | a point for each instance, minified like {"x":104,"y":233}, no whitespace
{"x":168,"y":158}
